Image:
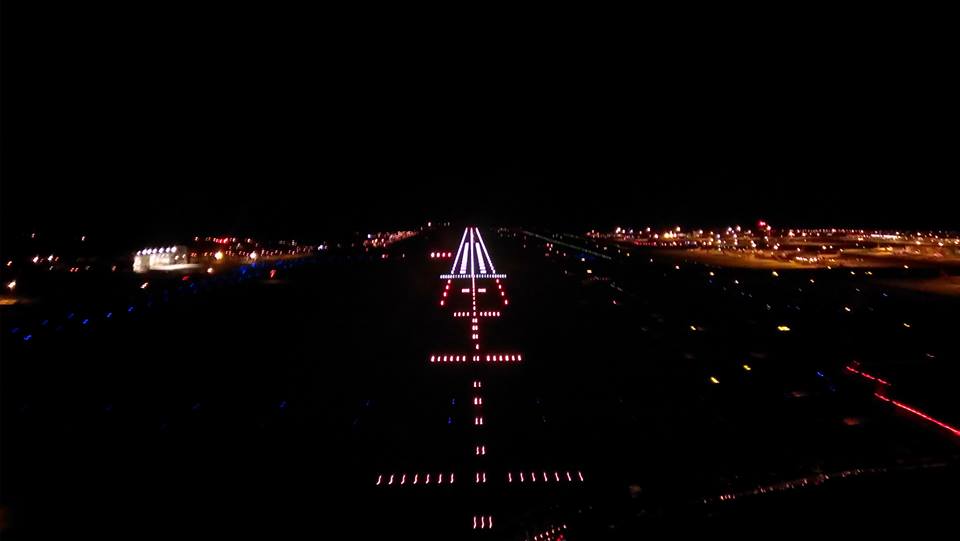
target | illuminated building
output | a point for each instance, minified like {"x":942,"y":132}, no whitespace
{"x":169,"y":258}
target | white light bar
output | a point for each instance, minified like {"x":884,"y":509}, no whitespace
{"x":467,"y":276}
{"x":485,"y":252}
{"x":178,"y":266}
{"x":481,"y":260}
{"x":473,"y":264}
{"x":459,"y":252}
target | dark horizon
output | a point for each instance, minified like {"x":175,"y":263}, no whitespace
{"x":205,"y":130}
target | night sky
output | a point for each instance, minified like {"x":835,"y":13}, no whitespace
{"x":138,"y":123}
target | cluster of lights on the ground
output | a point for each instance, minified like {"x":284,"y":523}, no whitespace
{"x":836,"y":243}
{"x":811,"y":247}
{"x":148,"y":292}
{"x":472,"y":262}
{"x":382,"y":240}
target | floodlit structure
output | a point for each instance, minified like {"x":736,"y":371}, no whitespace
{"x":169,"y":258}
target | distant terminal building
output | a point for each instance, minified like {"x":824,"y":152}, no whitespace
{"x":169,"y":258}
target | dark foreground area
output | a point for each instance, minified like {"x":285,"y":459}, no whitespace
{"x":273,"y":405}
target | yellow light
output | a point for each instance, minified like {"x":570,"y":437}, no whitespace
{"x":11,"y":285}
{"x":783,"y":328}
{"x":218,"y":256}
{"x":209,"y":270}
{"x":747,"y":367}
{"x":589,"y":271}
{"x":907,"y":325}
{"x":714,"y":380}
{"x":774,"y":273}
{"x":253,"y":255}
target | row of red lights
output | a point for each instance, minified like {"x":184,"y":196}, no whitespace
{"x":558,"y":477}
{"x":918,"y":413}
{"x":449,"y":358}
{"x":901,"y":405}
{"x":446,"y":289}
{"x":867,"y":376}
{"x":476,"y":314}
{"x":507,"y":358}
{"x":400,"y":479}
{"x":403,"y":479}
{"x":510,"y":358}
{"x":553,"y":534}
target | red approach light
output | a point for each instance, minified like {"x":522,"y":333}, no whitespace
{"x":273,"y":272}
{"x":867,"y":376}
{"x":482,"y":522}
{"x":918,"y":413}
{"x":419,"y":478}
{"x":558,"y":477}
